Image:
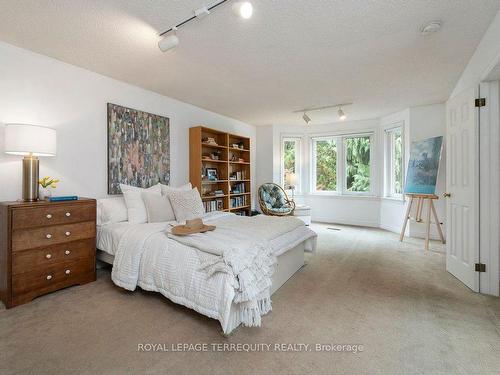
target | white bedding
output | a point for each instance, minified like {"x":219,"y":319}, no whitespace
{"x":173,"y":269}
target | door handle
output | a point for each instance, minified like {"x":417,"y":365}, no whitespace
{"x":446,"y":195}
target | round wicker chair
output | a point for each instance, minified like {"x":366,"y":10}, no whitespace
{"x":273,"y":200}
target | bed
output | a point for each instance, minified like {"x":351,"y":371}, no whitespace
{"x":173,"y":269}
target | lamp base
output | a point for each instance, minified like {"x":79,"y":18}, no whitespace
{"x":30,"y":178}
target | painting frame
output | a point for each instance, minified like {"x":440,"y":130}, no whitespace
{"x":423,"y":166}
{"x":138,"y":148}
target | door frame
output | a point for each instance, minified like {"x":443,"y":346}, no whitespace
{"x":489,"y":192}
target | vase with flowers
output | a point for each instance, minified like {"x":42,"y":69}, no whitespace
{"x":46,"y":185}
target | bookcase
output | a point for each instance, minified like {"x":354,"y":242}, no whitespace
{"x":219,"y":167}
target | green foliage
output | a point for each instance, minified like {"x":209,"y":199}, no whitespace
{"x":326,"y":165}
{"x":358,"y":163}
{"x":289,"y":157}
{"x":397,"y":144}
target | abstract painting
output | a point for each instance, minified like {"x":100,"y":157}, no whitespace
{"x":423,"y":167}
{"x":138,"y":148}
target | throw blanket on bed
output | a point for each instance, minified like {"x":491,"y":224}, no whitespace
{"x":125,"y":272}
{"x":243,"y":249}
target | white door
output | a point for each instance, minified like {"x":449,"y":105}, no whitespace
{"x":462,"y":184}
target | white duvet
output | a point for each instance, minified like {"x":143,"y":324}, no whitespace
{"x":147,"y":258}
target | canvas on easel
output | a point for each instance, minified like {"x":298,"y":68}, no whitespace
{"x":421,"y":180}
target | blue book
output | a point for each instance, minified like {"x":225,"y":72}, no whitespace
{"x":63,"y":198}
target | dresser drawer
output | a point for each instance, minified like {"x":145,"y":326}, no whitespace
{"x":62,"y":274}
{"x":40,"y":237}
{"x":43,"y":257}
{"x":52,"y":215}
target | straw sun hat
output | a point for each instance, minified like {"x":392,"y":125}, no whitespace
{"x":191,"y":227}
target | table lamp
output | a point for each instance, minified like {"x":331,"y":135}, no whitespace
{"x":292,"y":182}
{"x":30,"y":141}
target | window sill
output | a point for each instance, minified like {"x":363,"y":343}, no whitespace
{"x":343,"y":196}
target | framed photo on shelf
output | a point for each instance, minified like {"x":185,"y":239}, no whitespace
{"x":212,"y":174}
{"x":220,"y":205}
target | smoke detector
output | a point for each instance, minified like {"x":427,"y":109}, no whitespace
{"x":431,"y":28}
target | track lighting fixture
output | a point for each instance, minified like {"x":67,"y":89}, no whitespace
{"x":243,"y":9}
{"x":306,"y":118}
{"x":342,"y":115}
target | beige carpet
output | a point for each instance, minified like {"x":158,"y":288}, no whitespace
{"x":362,"y":287}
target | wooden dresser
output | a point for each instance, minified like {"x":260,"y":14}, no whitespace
{"x":44,"y":247}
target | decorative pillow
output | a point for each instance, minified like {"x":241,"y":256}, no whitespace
{"x":187,"y":205}
{"x":165,"y":189}
{"x":158,"y":208}
{"x":136,"y":210}
{"x":111,"y":210}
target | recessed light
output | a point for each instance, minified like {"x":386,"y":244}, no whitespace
{"x":431,"y":28}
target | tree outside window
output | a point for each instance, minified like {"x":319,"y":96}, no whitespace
{"x":325,"y":165}
{"x":290,"y":159}
{"x":357,"y":159}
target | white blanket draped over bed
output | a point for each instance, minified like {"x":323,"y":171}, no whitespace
{"x":243,"y":249}
{"x":242,"y":267}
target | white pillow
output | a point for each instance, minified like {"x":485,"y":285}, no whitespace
{"x":158,"y":208}
{"x":165,"y":189}
{"x":187,"y":205}
{"x":111,"y":210}
{"x":136,"y":210}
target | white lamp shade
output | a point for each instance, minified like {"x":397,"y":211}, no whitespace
{"x":292,"y":179}
{"x":22,"y":139}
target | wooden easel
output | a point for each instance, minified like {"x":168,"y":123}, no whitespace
{"x":421,"y":198}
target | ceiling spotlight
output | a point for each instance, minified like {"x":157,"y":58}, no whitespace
{"x":430,"y":28}
{"x":306,"y":118}
{"x":168,"y":43}
{"x":342,"y":115}
{"x":243,"y":9}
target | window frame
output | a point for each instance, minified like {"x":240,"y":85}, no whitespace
{"x":314,"y":140}
{"x":389,"y":188}
{"x":370,"y":192}
{"x":341,"y":163}
{"x":298,"y":159}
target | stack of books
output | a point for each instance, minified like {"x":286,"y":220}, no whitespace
{"x":215,"y":205}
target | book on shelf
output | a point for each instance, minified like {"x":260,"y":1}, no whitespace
{"x":239,"y":175}
{"x":238,"y":201}
{"x":214,"y":205}
{"x":238,"y":188}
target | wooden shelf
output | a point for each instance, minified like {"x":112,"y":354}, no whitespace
{"x":214,"y":196}
{"x":238,"y":149}
{"x":198,"y":165}
{"x":213,"y":161}
{"x":213,"y":182}
{"x":239,"y":208}
{"x":213,"y":146}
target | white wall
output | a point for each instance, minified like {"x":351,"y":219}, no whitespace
{"x":36,"y":89}
{"x":264,"y":155}
{"x":486,"y":56}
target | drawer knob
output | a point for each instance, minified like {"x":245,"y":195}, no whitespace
{"x":49,"y":216}
{"x":49,"y":236}
{"x":67,"y":252}
{"x":48,"y":256}
{"x":68,"y":214}
{"x":49,"y":277}
{"x":67,"y":233}
{"x":67,"y":272}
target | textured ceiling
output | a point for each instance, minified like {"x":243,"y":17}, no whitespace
{"x":291,"y":54}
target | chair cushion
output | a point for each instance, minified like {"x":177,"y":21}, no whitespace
{"x":274,"y":198}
